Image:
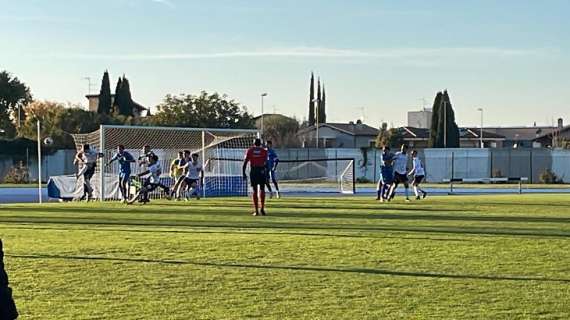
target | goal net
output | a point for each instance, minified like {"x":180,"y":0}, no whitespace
{"x":166,"y":142}
{"x":332,"y":175}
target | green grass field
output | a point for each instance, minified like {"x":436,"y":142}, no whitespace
{"x":472,"y":257}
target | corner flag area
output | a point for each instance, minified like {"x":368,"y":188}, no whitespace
{"x":460,"y":257}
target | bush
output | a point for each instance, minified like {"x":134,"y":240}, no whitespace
{"x":549,"y":177}
{"x":18,"y":174}
{"x":363,"y":180}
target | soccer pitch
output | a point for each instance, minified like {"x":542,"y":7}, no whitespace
{"x":462,"y":257}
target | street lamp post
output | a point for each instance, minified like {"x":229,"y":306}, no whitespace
{"x":481,"y":134}
{"x":39,"y":162}
{"x":318,"y":102}
{"x":263,"y":95}
{"x":444,"y":124}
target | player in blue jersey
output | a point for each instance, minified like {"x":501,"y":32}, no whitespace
{"x":272,"y":162}
{"x":386,"y":174}
{"x":125,"y":159}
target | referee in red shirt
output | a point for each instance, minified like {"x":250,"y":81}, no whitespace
{"x":257,"y":158}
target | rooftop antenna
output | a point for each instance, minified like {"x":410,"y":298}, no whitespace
{"x":424,"y":103}
{"x":89,"y":85}
{"x":361,"y":114}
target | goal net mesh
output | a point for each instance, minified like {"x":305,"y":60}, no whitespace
{"x":220,"y":180}
{"x":304,"y":176}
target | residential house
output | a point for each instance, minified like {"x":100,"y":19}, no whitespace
{"x":339,"y":135}
{"x":93,"y":99}
{"x":468,"y":138}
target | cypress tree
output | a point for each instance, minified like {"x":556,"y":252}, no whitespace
{"x":452,"y":128}
{"x":322,"y":108}
{"x":104,"y":106}
{"x":311,"y":102}
{"x":435,"y":136}
{"x":126,"y":107}
{"x":117,"y":95}
{"x":123,"y":101}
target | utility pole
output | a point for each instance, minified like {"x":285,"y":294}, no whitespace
{"x":88,"y":84}
{"x":445,"y":124}
{"x":318,"y":102}
{"x":263,"y":95}
{"x":481,"y":134}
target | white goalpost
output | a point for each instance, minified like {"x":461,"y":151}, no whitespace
{"x":166,"y":142}
{"x":221,"y":152}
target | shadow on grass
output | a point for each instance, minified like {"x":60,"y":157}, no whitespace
{"x":261,"y":233}
{"x":374,"y":214}
{"x":258,"y":223}
{"x":297,"y":268}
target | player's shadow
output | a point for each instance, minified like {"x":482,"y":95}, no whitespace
{"x":298,"y":268}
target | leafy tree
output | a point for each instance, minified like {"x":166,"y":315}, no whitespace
{"x":391,"y":137}
{"x":203,"y":111}
{"x":311,"y":101}
{"x":105,"y":100}
{"x":47,"y":112}
{"x":13,"y":94}
{"x":59,"y":120}
{"x":282,"y":131}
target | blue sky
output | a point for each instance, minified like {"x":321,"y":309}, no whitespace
{"x":379,"y":58}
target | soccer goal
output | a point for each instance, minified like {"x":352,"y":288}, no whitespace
{"x":327,"y":175}
{"x":166,"y":142}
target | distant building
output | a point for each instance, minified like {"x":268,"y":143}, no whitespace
{"x":339,"y":135}
{"x":468,"y":138}
{"x":420,"y":119}
{"x":526,"y":137}
{"x":558,"y":137}
{"x":93,"y":99}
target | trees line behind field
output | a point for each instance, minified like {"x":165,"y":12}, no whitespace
{"x":203,"y":110}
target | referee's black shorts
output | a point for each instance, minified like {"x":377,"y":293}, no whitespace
{"x":258,"y":176}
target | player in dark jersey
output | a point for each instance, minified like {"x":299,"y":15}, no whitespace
{"x":386,"y":175}
{"x":272,"y":162}
{"x":125,"y":159}
{"x":256,"y":156}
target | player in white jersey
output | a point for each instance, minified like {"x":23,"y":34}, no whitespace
{"x":194,"y":177}
{"x":419,"y":173}
{"x":400,"y":171}
{"x":86,"y":159}
{"x":154,"y":171}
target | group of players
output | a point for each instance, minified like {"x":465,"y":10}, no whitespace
{"x":186,"y":172}
{"x":394,"y":171}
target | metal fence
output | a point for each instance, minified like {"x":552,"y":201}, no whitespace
{"x":440,"y":164}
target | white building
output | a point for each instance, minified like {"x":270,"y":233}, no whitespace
{"x":420,"y":119}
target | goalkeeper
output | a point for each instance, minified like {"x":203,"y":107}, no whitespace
{"x":272,"y":162}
